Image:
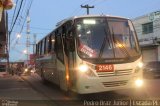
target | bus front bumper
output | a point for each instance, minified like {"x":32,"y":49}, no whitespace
{"x":98,"y":84}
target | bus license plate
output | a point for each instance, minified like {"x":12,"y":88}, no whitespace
{"x":105,"y":68}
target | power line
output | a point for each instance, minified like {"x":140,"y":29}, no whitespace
{"x":23,"y":7}
{"x":21,"y":16}
{"x":15,"y":21}
{"x":14,"y":13}
{"x":88,"y":2}
{"x":40,"y":33}
{"x":26,"y":15}
{"x":17,"y":50}
{"x":33,"y":27}
{"x":29,"y":6}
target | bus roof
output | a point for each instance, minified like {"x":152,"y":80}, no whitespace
{"x":86,"y":16}
{"x":75,"y":17}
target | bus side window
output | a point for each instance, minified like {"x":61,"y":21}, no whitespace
{"x":41,"y":47}
{"x":58,"y":46}
{"x":37,"y":49}
{"x":46,"y":44}
{"x":64,"y":38}
{"x":56,"y":40}
{"x":69,"y":39}
{"x":53,"y":42}
{"x":49,"y":44}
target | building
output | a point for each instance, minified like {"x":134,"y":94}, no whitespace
{"x":4,"y":38}
{"x":3,"y":35}
{"x":148,"y":31}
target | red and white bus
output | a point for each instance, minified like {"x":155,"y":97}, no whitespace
{"x":89,"y":54}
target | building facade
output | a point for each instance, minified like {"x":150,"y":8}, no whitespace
{"x":148,"y":31}
{"x":4,"y":37}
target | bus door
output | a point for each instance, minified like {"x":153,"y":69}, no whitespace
{"x":69,"y":55}
{"x":64,"y":57}
{"x":60,"y":60}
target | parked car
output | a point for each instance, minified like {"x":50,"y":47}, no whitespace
{"x":152,"y":69}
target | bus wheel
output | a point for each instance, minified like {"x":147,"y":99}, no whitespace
{"x":70,"y":93}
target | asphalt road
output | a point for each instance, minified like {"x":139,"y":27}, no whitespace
{"x":30,"y":91}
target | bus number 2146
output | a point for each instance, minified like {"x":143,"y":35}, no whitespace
{"x":105,"y":68}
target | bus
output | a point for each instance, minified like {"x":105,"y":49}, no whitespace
{"x":91,"y":54}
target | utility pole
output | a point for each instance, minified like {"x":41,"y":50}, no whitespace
{"x":28,"y":37}
{"x":87,"y":7}
{"x":34,"y":43}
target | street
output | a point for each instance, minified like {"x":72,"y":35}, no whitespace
{"x":30,"y":91}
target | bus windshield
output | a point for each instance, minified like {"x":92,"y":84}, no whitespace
{"x":106,"y":38}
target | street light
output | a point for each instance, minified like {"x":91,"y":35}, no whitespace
{"x":25,"y":51}
{"x":18,"y":35}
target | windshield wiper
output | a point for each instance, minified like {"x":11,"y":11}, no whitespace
{"x":110,"y":42}
{"x":102,"y":48}
{"x":104,"y":44}
{"x":122,"y":47}
{"x":113,"y":42}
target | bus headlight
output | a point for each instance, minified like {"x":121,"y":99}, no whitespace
{"x":83,"y":68}
{"x":139,"y":67}
{"x":140,"y":64}
{"x":139,"y":82}
{"x":87,"y":70}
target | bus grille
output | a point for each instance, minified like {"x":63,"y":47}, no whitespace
{"x":115,"y":73}
{"x":115,"y":83}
